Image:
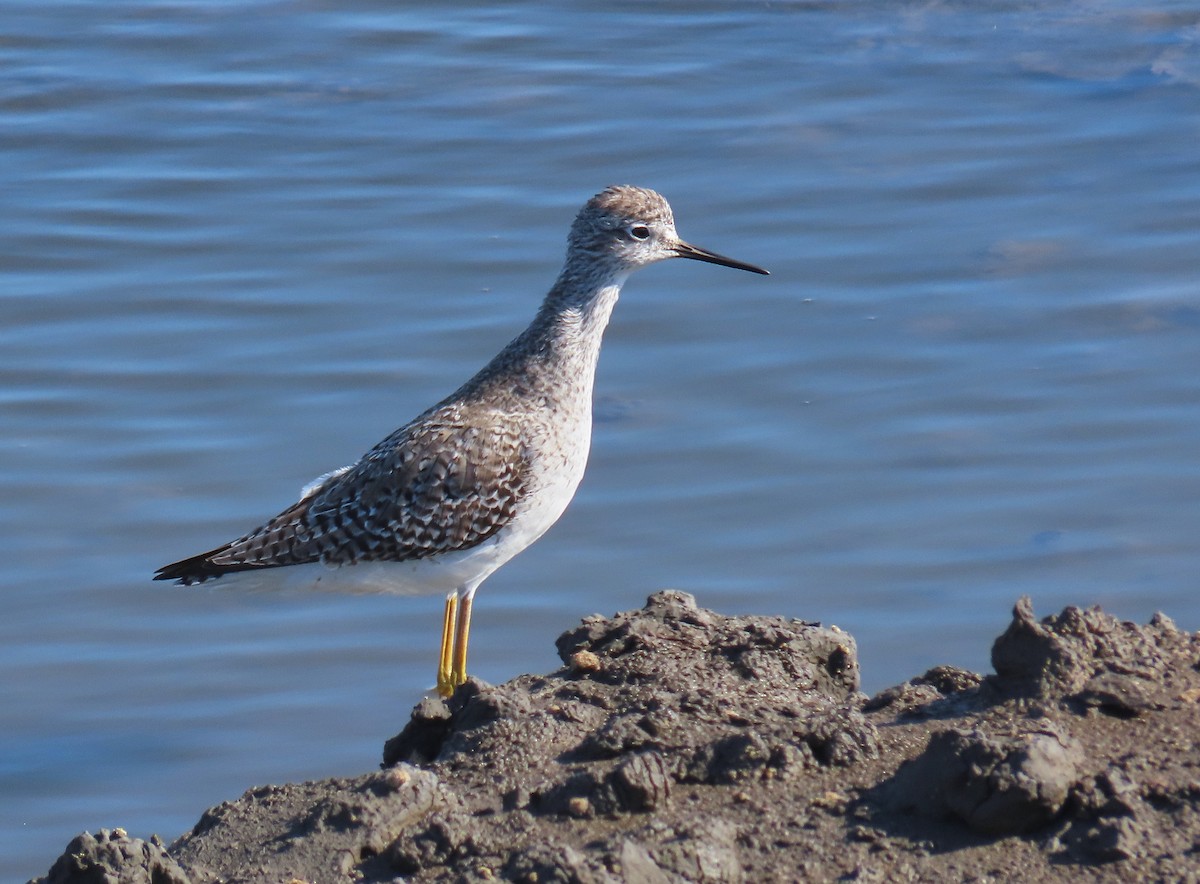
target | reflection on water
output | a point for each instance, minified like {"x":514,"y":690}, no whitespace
{"x":242,"y":243}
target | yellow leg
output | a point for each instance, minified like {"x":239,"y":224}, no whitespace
{"x":445,"y":677}
{"x":462,"y":627}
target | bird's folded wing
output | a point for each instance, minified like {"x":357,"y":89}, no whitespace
{"x":433,"y":486}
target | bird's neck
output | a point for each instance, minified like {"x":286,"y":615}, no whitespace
{"x":570,"y":325}
{"x":578,"y":309}
{"x":554,"y":360}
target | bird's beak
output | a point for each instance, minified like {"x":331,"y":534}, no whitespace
{"x":687,"y":250}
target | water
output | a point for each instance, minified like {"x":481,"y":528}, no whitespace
{"x":239,"y":243}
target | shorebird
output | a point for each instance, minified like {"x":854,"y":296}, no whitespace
{"x":452,"y":495}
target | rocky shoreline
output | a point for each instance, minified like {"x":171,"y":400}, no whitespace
{"x":677,"y":744}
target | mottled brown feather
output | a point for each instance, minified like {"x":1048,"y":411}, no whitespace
{"x":436,"y":485}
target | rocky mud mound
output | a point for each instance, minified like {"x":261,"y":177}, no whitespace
{"x":680,"y":745}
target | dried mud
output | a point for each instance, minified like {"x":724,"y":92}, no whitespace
{"x":677,"y":744}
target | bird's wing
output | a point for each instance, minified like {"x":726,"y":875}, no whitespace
{"x":436,"y":485}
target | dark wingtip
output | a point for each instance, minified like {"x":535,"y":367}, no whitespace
{"x":185,"y":572}
{"x":196,"y":569}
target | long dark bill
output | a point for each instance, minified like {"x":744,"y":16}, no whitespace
{"x":687,"y":250}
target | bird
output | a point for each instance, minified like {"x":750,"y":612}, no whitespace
{"x":446,"y":499}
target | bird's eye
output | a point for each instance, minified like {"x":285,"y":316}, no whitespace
{"x":639,"y":231}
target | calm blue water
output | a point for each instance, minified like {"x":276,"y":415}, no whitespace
{"x":240,"y":242}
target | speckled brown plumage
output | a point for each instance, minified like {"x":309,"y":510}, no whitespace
{"x":436,"y":485}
